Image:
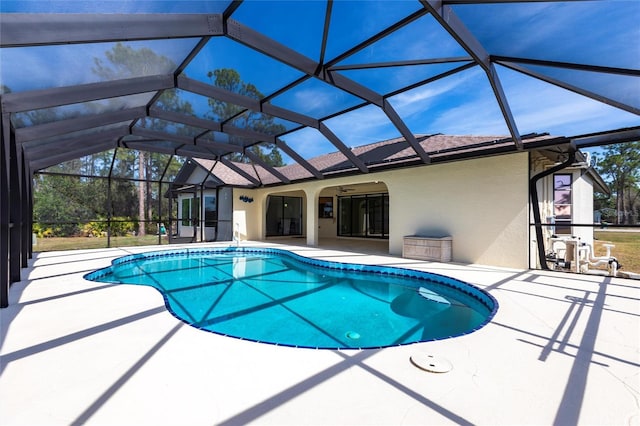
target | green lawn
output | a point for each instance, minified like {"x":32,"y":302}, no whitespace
{"x":626,"y":250}
{"x":77,"y":243}
{"x":627,"y":245}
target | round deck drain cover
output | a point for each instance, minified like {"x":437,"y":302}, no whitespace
{"x":431,"y":363}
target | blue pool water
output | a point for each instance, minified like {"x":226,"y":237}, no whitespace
{"x":275,"y":296}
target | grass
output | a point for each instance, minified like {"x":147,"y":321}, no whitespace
{"x":78,"y":243}
{"x":626,"y":250}
{"x":627,"y":245}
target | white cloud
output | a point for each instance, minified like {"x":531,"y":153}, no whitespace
{"x":50,"y":66}
{"x":312,"y":101}
{"x":362,"y":126}
{"x":570,"y":115}
{"x":420,"y":99}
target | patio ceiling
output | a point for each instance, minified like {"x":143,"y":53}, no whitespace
{"x":80,"y":78}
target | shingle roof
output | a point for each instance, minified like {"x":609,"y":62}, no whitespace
{"x":391,"y":153}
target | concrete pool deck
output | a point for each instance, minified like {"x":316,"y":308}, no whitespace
{"x":562,"y":349}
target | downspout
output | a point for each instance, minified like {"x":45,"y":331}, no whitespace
{"x":533,"y":190}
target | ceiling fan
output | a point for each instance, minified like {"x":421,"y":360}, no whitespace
{"x":342,"y":190}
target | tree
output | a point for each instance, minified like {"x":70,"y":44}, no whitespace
{"x":229,"y":79}
{"x":62,"y":203}
{"x":76,"y":199}
{"x":125,"y":62}
{"x":620,"y":166}
{"x":154,"y":164}
{"x":165,"y":167}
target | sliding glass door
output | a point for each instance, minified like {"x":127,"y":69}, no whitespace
{"x":364,"y":216}
{"x":284,"y":216}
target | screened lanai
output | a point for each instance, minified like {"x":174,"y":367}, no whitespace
{"x":273,"y":84}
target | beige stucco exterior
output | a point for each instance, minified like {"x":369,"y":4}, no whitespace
{"x":481,"y":203}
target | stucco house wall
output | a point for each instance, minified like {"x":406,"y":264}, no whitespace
{"x":481,"y":203}
{"x":248,"y":217}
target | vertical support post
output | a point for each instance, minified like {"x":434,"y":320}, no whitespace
{"x":217,"y":228}
{"x":109,"y":199}
{"x":30,"y":210}
{"x":147,"y":192}
{"x":312,"y":217}
{"x":109,"y":211}
{"x":170,"y":227}
{"x":201,"y":212}
{"x":167,"y":228}
{"x":27,"y":240}
{"x":5,"y":258}
{"x":192,"y":217}
{"x":15,"y":209}
{"x":160,"y":211}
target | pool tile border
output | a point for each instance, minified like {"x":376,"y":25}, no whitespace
{"x":469,"y":289}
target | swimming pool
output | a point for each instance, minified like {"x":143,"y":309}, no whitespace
{"x":275,"y":296}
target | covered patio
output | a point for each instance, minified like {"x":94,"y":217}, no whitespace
{"x":562,"y":349}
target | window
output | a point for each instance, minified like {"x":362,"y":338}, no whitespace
{"x":325,"y":207}
{"x":190,"y":211}
{"x":562,"y":203}
{"x":186,"y":211}
{"x":284,"y":216}
{"x":210,"y":210}
{"x":195,"y":210}
{"x":364,"y":216}
{"x":344,"y":216}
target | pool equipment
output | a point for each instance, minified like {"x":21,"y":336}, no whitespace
{"x":571,"y":254}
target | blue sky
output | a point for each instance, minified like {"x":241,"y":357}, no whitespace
{"x":596,"y":33}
